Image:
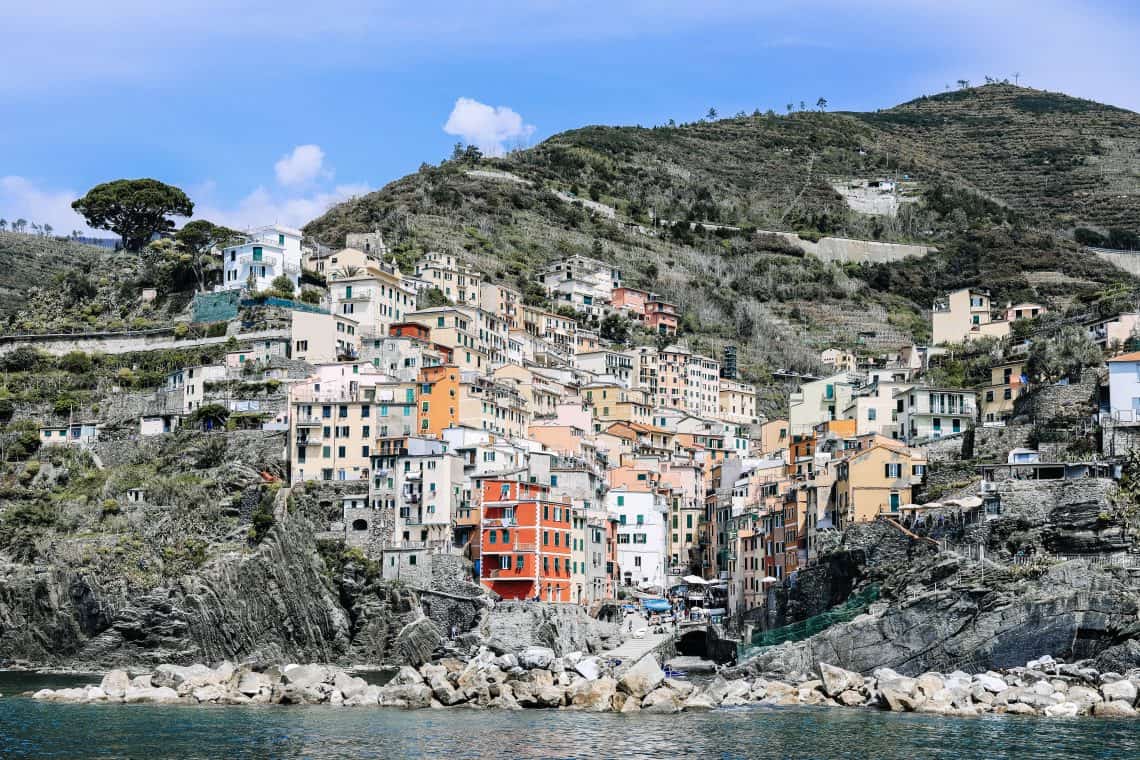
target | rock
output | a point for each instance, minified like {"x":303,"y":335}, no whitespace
{"x":507,"y":661}
{"x":551,"y":696}
{"x":157,"y":695}
{"x":588,"y":667}
{"x":115,"y":683}
{"x":991,"y":682}
{"x":630,"y":706}
{"x":141,"y":682}
{"x":211,"y":693}
{"x":595,"y":695}
{"x":250,"y":683}
{"x":406,"y":676}
{"x":1016,"y":708}
{"x":980,"y":694}
{"x":900,"y":701}
{"x":837,"y":680}
{"x":851,"y":698}
{"x":645,"y":676}
{"x":717,"y":689}
{"x":737,"y":693}
{"x":661,"y":701}
{"x":417,"y":640}
{"x":1114,"y":709}
{"x":935,"y":707}
{"x":1084,"y":696}
{"x":349,"y":686}
{"x":412,"y":696}
{"x":95,"y":694}
{"x":683,"y":688}
{"x":305,"y":675}
{"x":430,"y":670}
{"x":1063,"y":710}
{"x":177,"y":676}
{"x":1119,"y":691}
{"x":929,"y":684}
{"x":536,"y":657}
{"x":698,"y":702}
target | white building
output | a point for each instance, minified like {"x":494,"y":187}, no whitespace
{"x":642,"y":546}
{"x":267,"y":253}
{"x":1124,"y":388}
{"x":926,"y":413}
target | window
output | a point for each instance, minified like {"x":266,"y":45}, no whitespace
{"x":519,"y":562}
{"x":326,"y":451}
{"x":365,"y":431}
{"x":623,"y":538}
{"x":506,"y":536}
{"x":989,"y":395}
{"x":505,"y":562}
{"x":621,"y":503}
{"x":1007,"y":394}
{"x":872,"y":414}
{"x":491,"y":537}
{"x":893,"y":470}
{"x":553,"y":481}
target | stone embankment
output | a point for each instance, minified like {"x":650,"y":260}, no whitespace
{"x":536,"y":678}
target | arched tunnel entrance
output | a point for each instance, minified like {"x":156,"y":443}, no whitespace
{"x":704,"y":642}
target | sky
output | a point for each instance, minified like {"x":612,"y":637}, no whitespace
{"x":269,"y":111}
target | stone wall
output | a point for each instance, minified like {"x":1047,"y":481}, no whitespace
{"x":1049,"y":403}
{"x":124,"y":342}
{"x":846,"y":250}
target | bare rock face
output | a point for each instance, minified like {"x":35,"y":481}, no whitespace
{"x":645,"y":676}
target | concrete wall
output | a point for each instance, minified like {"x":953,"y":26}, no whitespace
{"x":1128,"y":261}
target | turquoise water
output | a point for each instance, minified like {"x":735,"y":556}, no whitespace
{"x":31,"y":729}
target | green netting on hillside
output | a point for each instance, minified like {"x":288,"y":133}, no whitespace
{"x":809,"y":627}
{"x":216,"y":307}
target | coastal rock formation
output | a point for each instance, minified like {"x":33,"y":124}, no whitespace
{"x":1041,"y":687}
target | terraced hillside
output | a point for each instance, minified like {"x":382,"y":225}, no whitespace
{"x":1060,"y":160}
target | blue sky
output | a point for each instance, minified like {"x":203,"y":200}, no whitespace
{"x":270,"y":110}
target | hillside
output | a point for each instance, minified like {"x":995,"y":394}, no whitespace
{"x":967,"y":164}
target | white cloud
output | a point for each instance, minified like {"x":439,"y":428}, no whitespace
{"x":487,"y":127}
{"x":20,"y":198}
{"x":262,"y":206}
{"x":302,"y":166}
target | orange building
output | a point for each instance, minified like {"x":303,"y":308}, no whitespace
{"x":661,"y":317}
{"x":438,"y":399}
{"x":525,"y":543}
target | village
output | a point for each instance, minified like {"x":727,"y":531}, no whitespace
{"x":571,"y":468}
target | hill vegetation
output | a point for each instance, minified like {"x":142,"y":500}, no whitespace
{"x":996,"y":177}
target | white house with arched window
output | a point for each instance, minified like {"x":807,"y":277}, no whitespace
{"x":267,"y":253}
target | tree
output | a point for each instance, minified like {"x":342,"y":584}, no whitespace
{"x":198,"y":240}
{"x":135,"y":209}
{"x":1062,"y":356}
{"x":47,"y":229}
{"x":963,"y":84}
{"x":434,"y":297}
{"x":19,"y":225}
{"x":711,"y":114}
{"x":614,"y":327}
{"x":791,"y":107}
{"x":3,"y":224}
{"x":282,"y":285}
{"x":803,"y":106}
{"x":821,"y":104}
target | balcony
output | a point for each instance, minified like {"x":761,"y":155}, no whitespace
{"x":311,"y":422}
{"x":499,"y":522}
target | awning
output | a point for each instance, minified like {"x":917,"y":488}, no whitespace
{"x":657,"y":605}
{"x":694,"y":580}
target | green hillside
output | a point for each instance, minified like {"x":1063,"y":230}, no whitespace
{"x":995,"y":177}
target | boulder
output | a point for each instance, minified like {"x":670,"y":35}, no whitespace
{"x":430,"y":670}
{"x":1119,"y":691}
{"x":899,"y":701}
{"x":837,"y":680}
{"x":851,"y":698}
{"x":1115,"y":709}
{"x":645,"y":676}
{"x":412,"y":696}
{"x":551,"y":696}
{"x":981,"y":695}
{"x":684,"y":688}
{"x":406,"y":676}
{"x":662,"y":701}
{"x":349,"y":686}
{"x":588,"y":667}
{"x":1084,"y":696}
{"x":738,"y":693}
{"x":417,"y":640}
{"x":211,"y":693}
{"x":596,"y":695}
{"x":250,"y":683}
{"x":95,"y":694}
{"x":630,"y":706}
{"x":115,"y":683}
{"x":929,"y":684}
{"x":697,"y":702}
{"x":536,"y":657}
{"x":157,"y":695}
{"x":176,"y":676}
{"x":305,"y":675}
{"x":1017,"y":708}
{"x":1063,"y":710}
{"x":991,"y":682}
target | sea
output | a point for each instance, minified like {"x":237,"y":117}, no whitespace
{"x":34,"y":729}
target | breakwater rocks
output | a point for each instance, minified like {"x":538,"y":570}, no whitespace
{"x":536,"y":678}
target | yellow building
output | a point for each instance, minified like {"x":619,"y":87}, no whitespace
{"x":1007,"y":384}
{"x":615,"y":403}
{"x":880,"y":479}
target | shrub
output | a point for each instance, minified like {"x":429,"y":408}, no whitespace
{"x":74,"y":361}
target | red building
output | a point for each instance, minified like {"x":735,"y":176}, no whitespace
{"x":661,"y":316}
{"x":525,"y":542}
